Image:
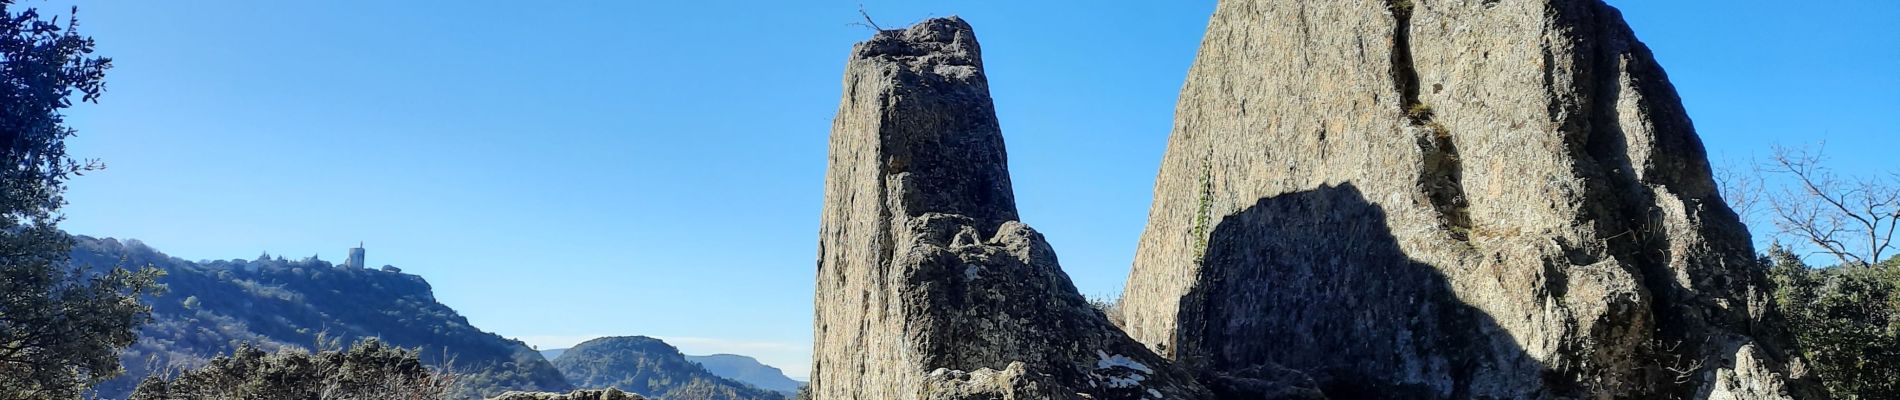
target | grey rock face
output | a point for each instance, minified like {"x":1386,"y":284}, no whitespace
{"x":928,"y":286}
{"x":1447,"y":199}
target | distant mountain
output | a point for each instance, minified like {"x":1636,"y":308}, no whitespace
{"x":748,"y":370}
{"x":650,"y":367}
{"x":552,"y":354}
{"x":275,"y":303}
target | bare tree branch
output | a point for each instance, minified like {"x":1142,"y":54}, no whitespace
{"x":1855,"y":221}
{"x":868,"y":23}
{"x":1743,"y":192}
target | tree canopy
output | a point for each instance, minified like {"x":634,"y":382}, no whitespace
{"x":367,"y":370}
{"x":61,"y":326}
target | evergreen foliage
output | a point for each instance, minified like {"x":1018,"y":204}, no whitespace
{"x":61,"y":326}
{"x":1846,"y":321}
{"x":274,"y":304}
{"x":368,"y":370}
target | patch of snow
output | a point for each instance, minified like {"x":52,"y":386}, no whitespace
{"x":1118,"y":360}
{"x":1119,"y":380}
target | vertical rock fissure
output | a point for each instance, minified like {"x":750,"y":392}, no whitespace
{"x":1203,"y":212}
{"x":1443,"y":181}
{"x":1404,"y":77}
{"x":1674,"y":358}
{"x":1443,"y":176}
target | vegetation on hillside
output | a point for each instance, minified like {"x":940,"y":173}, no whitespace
{"x":367,"y":370}
{"x":747,"y":370}
{"x":1844,"y":318}
{"x":1111,"y":307}
{"x":651,"y":367}
{"x":275,"y":304}
{"x":1846,"y":321}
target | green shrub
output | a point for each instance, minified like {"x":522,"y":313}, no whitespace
{"x":368,"y":370}
{"x":1845,"y":320}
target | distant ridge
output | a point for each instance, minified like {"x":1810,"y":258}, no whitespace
{"x":276,"y":303}
{"x":748,"y":370}
{"x":649,"y":366}
{"x":743,"y":369}
{"x":552,"y":354}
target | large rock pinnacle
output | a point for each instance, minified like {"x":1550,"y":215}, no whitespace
{"x":928,"y":286}
{"x":1438,"y":199}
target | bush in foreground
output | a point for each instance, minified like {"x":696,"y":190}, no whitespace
{"x":1846,"y":321}
{"x":367,"y":370}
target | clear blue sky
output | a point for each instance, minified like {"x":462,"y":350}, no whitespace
{"x":562,"y":170}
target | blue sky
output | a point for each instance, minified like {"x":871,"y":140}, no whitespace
{"x":564,"y":170}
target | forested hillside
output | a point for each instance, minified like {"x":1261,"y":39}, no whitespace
{"x":749,"y":370}
{"x":275,"y":303}
{"x":651,"y":367}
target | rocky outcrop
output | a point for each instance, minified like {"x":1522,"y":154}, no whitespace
{"x":1447,"y":199}
{"x":928,"y":286}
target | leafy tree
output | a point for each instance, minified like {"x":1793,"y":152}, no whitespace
{"x":1846,"y":321}
{"x":368,"y":370}
{"x":1845,"y":318}
{"x":61,"y":328}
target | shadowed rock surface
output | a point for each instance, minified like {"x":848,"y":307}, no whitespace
{"x":1447,"y":199}
{"x":928,"y":286}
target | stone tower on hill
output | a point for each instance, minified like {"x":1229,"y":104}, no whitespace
{"x":356,"y":257}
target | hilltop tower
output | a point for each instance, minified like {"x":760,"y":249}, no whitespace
{"x":356,"y":256}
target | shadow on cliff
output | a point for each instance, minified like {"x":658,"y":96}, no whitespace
{"x":1316,"y":282}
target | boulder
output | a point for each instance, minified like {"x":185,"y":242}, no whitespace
{"x":928,"y":285}
{"x":1447,"y":199}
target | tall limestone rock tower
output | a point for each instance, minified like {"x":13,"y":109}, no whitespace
{"x":1434,"y":199}
{"x":928,"y":286}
